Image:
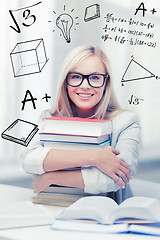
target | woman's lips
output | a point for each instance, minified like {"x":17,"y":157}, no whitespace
{"x":85,"y":96}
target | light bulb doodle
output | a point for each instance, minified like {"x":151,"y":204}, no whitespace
{"x":65,"y":22}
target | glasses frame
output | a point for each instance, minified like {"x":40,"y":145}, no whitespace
{"x":105,"y":76}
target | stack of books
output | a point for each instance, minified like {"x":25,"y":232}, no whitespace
{"x":76,"y":133}
{"x":59,"y":196}
{"x":71,"y":134}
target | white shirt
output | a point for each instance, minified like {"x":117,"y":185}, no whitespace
{"x":125,"y":138}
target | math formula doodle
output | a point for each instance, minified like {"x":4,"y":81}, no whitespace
{"x":124,"y":31}
{"x":27,"y":17}
{"x":135,"y":100}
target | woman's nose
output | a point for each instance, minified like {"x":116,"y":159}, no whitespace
{"x":85,"y":84}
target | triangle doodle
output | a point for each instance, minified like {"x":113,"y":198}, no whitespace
{"x":136,"y":71}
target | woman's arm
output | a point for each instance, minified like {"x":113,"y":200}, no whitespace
{"x":55,"y":160}
{"x":105,"y":160}
{"x":125,"y":138}
{"x":62,"y":178}
{"x":38,"y":160}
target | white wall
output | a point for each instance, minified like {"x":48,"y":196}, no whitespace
{"x":13,"y":89}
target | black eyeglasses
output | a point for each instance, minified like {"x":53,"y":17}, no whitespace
{"x":95,"y":80}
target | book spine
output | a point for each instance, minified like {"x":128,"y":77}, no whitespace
{"x":75,"y":119}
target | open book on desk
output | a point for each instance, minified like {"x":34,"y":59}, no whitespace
{"x":106,"y":211}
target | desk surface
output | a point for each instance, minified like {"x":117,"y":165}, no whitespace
{"x":11,"y":193}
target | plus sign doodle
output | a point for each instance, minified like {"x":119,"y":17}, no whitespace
{"x":46,"y":97}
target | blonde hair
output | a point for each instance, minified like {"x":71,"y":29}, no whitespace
{"x":107,"y":108}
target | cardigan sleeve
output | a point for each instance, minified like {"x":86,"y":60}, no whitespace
{"x":125,"y":138}
{"x":33,"y":157}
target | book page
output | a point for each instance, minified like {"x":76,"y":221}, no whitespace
{"x":23,"y":213}
{"x":21,"y":209}
{"x":93,"y":207}
{"x":137,"y":208}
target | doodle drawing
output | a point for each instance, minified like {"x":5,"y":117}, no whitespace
{"x":65,"y":22}
{"x":20,"y":132}
{"x":135,"y":71}
{"x":92,"y":12}
{"x":28,"y":57}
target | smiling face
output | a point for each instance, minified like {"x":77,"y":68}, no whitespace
{"x":85,"y":97}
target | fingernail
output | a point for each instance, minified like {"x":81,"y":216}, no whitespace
{"x":123,"y":187}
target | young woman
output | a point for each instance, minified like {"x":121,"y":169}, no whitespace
{"x":86,"y":91}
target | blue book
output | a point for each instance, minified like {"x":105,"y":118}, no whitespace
{"x":76,"y":146}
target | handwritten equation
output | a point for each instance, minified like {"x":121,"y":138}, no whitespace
{"x":28,"y":18}
{"x":124,"y":31}
{"x":135,"y":100}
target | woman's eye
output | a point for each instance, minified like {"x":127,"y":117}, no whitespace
{"x":76,"y":77}
{"x":95,"y":77}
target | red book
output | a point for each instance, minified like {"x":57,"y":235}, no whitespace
{"x":77,"y":126}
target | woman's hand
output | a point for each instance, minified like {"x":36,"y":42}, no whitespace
{"x":40,"y":182}
{"x":110,"y":164}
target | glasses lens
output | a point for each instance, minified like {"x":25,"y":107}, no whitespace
{"x":74,"y":79}
{"x":96,"y":80}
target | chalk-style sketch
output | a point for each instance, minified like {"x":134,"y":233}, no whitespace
{"x":28,"y":57}
{"x":27,"y":17}
{"x":135,"y":100}
{"x":92,"y":12}
{"x":135,"y":71}
{"x":65,"y":22}
{"x":20,"y":132}
{"x":28,"y":98}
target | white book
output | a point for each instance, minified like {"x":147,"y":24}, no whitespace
{"x":23,"y":214}
{"x":75,"y":146}
{"x":88,"y":227}
{"x":77,"y":126}
{"x":60,"y":203}
{"x":73,"y":138}
{"x":63,"y":189}
{"x":152,"y":228}
{"x":105,"y":210}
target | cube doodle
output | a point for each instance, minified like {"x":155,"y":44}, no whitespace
{"x":28,"y":57}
